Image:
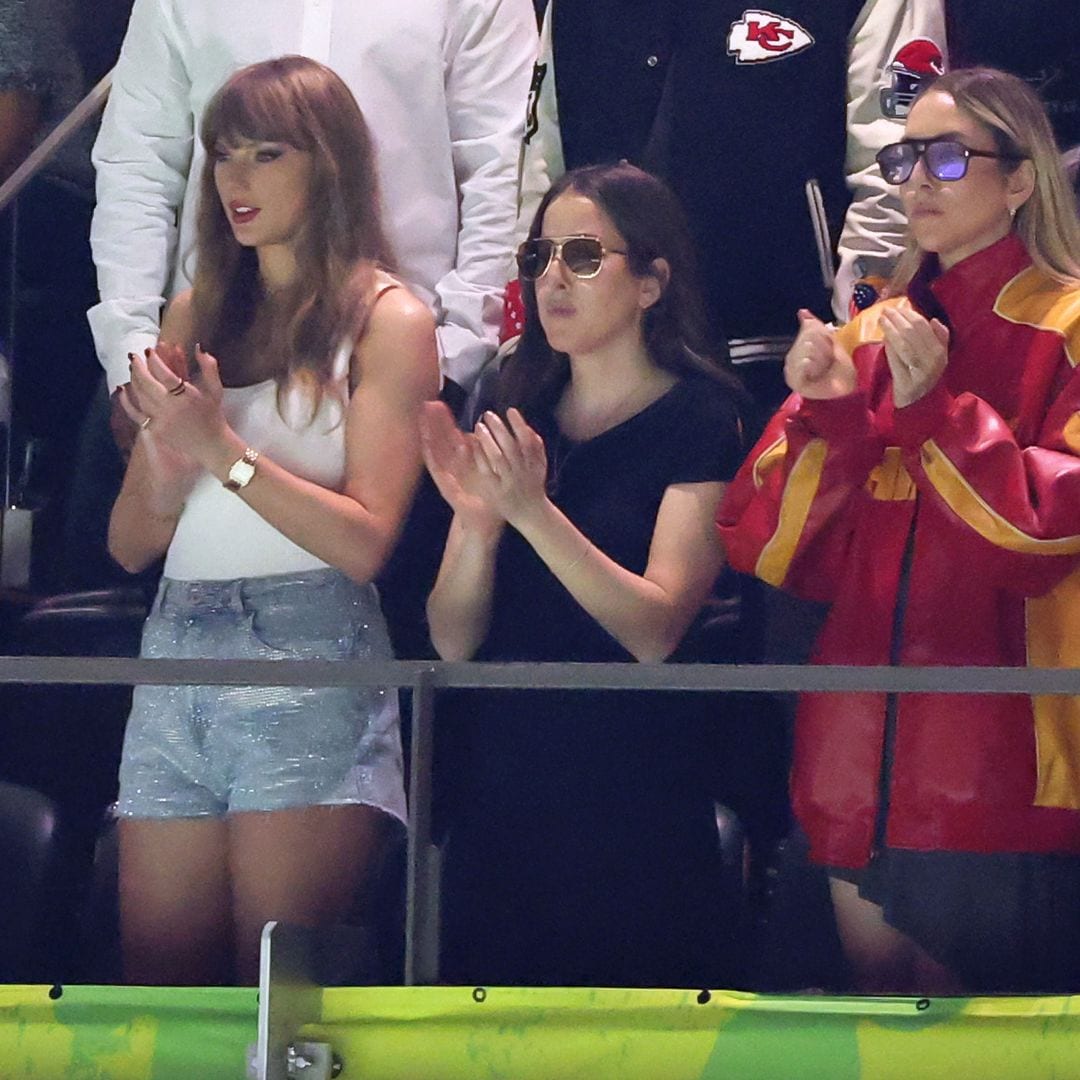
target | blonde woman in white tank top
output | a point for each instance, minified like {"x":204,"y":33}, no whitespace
{"x":273,"y":473}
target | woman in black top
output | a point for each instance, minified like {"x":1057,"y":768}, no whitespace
{"x":583,"y":846}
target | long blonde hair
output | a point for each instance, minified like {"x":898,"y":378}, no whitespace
{"x":298,"y":101}
{"x":1016,"y":119}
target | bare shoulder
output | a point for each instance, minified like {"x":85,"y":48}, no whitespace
{"x":178,"y":321}
{"x":398,"y":312}
{"x":399,"y":340}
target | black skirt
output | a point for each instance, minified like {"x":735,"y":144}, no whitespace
{"x":1004,"y":922}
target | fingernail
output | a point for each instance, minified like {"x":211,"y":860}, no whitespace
{"x":146,"y":352}
{"x":198,"y":347}
{"x":131,"y":358}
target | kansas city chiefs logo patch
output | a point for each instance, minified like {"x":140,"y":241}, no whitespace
{"x":761,"y":36}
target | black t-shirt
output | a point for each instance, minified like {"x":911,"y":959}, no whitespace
{"x":610,"y":487}
{"x":615,"y":767}
{"x":583,"y":846}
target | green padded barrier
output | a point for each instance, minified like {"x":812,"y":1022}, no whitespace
{"x":125,"y":1033}
{"x":429,"y":1033}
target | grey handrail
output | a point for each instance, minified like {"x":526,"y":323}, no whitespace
{"x":751,"y":678}
{"x":81,"y":115}
{"x":423,"y":860}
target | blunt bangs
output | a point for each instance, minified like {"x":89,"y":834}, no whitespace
{"x":252,"y":106}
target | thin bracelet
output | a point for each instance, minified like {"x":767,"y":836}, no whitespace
{"x":588,"y":548}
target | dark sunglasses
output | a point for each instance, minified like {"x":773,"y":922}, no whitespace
{"x":945,"y":159}
{"x":581,"y":255}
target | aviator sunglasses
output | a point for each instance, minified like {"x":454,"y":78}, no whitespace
{"x":945,"y":159}
{"x":581,"y":255}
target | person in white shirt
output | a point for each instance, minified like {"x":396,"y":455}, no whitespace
{"x":443,"y":85}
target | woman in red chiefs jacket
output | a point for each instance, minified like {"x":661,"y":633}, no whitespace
{"x":924,"y":477}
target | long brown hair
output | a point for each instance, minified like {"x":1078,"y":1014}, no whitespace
{"x":1016,"y":119}
{"x":298,"y":101}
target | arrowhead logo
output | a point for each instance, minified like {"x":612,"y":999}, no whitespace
{"x":761,"y":36}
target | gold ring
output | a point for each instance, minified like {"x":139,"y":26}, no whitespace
{"x":179,"y":388}
{"x":145,"y":423}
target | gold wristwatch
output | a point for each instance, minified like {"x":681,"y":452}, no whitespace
{"x":242,"y":470}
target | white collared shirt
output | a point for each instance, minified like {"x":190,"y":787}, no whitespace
{"x":443,"y":86}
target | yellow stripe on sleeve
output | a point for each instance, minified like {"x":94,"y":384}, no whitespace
{"x":799,"y":492}
{"x":1071,"y":433}
{"x":973,"y":509}
{"x":768,"y":459}
{"x":1053,"y":641}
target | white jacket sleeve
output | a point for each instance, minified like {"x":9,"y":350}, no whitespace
{"x":490,"y":57}
{"x":142,"y":156}
{"x":873,"y":233}
{"x":542,"y":155}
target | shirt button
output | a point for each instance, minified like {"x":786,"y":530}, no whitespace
{"x":652,"y":61}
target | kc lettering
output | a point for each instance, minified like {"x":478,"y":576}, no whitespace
{"x":761,"y":36}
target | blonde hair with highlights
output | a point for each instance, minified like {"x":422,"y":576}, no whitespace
{"x":1015,"y":117}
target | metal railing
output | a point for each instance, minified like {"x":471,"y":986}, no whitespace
{"x":47,"y":149}
{"x":426,"y":677}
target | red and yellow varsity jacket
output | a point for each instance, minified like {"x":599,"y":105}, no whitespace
{"x":946,"y":532}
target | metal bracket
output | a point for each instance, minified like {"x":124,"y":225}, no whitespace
{"x":293,"y":964}
{"x":311,"y":1061}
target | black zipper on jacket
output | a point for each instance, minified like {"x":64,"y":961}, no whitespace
{"x":892,"y":700}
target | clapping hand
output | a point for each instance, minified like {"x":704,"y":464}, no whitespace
{"x":816,"y":366}
{"x":496,"y":474}
{"x":185,"y":417}
{"x":125,"y":421}
{"x":917,"y":351}
{"x":513,"y":457}
{"x":173,"y":473}
{"x":453,"y":458}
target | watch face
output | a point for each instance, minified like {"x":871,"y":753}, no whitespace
{"x":240,"y":475}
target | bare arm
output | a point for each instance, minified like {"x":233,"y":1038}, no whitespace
{"x":647,"y":613}
{"x":354,"y":529}
{"x":459,"y":607}
{"x":158,"y":479}
{"x":148,"y":507}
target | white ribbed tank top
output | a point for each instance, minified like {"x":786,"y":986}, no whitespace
{"x":218,"y":536}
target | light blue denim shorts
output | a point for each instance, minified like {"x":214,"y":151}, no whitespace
{"x":195,"y":751}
